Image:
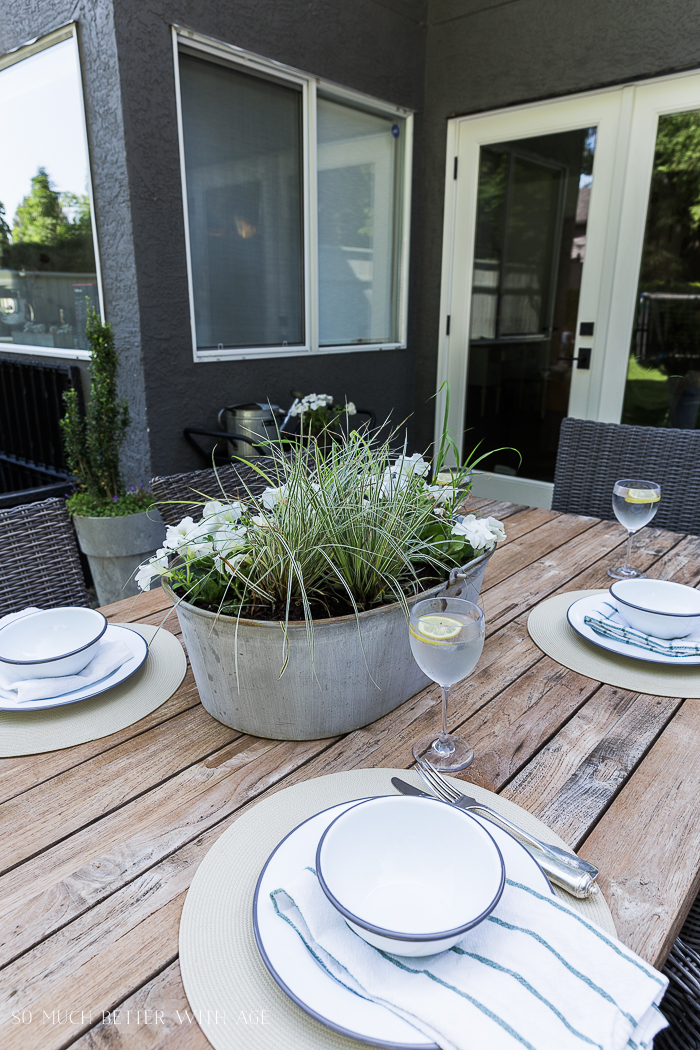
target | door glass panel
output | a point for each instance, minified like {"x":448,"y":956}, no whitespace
{"x":532,"y":213}
{"x":663,"y":376}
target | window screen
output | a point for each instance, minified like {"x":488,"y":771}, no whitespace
{"x":243,"y":160}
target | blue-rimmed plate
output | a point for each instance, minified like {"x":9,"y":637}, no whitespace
{"x":303,"y":980}
{"x":584,"y":606}
{"x":138,"y":647}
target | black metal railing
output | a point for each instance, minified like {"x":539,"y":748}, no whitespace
{"x":32,"y":462}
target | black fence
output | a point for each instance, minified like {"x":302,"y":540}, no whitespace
{"x":32,"y":463}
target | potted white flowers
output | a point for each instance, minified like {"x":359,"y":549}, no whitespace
{"x":293,"y":605}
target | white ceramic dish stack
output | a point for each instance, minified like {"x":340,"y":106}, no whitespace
{"x":51,"y":643}
{"x":300,"y":976}
{"x":660,"y":608}
{"x":410,"y":875}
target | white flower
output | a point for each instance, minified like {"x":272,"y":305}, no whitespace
{"x":271,"y":496}
{"x":414,"y":464}
{"x":441,"y":493}
{"x":350,"y":408}
{"x":476,"y":532}
{"x":175,"y":535}
{"x":261,"y":521}
{"x":150,"y":570}
{"x":498,"y":529}
{"x":230,"y":564}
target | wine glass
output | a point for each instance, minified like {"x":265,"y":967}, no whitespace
{"x":635,"y":503}
{"x":447,"y":637}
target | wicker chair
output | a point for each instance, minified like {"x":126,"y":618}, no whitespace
{"x":39,"y":561}
{"x":181,"y":494}
{"x":681,"y":1004}
{"x":592,"y":456}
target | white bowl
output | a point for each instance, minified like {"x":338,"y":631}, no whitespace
{"x":410,"y":875}
{"x":658,"y":607}
{"x":51,"y":643}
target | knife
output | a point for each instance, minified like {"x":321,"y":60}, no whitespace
{"x":576,"y":879}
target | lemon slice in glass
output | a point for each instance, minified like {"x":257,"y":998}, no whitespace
{"x":642,"y":496}
{"x":441,"y":628}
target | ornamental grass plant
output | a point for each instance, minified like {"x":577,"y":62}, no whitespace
{"x":338,"y":530}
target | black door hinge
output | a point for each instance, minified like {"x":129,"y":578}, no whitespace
{"x":455,"y":168}
{"x":447,"y":330}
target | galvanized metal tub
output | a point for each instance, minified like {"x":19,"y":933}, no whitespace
{"x":362,"y":667}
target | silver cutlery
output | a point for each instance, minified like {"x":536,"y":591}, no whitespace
{"x":442,"y":787}
{"x":576,"y":881}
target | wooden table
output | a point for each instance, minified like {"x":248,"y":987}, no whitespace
{"x":100,"y":841}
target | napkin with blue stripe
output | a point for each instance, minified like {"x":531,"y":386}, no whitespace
{"x":534,"y":975}
{"x":609,"y":623}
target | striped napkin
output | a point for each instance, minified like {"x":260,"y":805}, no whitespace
{"x":535,"y":975}
{"x":608,"y":622}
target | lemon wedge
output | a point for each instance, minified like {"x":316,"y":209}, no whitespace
{"x":642,"y":496}
{"x":442,"y":628}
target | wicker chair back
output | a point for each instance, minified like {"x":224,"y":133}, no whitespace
{"x":180,"y":495}
{"x":592,"y":456}
{"x":39,"y":561}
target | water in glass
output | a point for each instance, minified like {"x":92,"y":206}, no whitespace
{"x":447,"y":637}
{"x":635,"y":502}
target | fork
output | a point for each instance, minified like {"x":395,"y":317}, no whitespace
{"x":445,"y":791}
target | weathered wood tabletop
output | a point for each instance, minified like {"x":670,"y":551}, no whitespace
{"x":100,"y":841}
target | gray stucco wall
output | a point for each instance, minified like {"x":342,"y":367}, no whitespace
{"x":484,"y":54}
{"x":376,"y":47}
{"x":101,"y":88}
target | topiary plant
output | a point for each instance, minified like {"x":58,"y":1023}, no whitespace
{"x":93,"y":443}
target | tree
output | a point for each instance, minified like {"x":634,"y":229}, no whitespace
{"x":93,"y":444}
{"x":4,"y":228}
{"x":40,"y":218}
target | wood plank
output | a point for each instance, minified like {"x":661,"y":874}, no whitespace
{"x":575,"y":777}
{"x":46,"y":892}
{"x":104,"y":783}
{"x":136,"y":1024}
{"x":519,"y":552}
{"x":565,"y":568}
{"x":52,"y":889}
{"x":26,"y":771}
{"x":648,"y":842}
{"x":131,"y":610}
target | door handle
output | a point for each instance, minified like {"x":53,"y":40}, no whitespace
{"x":583,"y":360}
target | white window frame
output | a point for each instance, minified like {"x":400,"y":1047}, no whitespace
{"x":11,"y":58}
{"x":310,"y":86}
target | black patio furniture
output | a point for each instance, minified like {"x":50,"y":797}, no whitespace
{"x":39,"y":561}
{"x":593,"y":456}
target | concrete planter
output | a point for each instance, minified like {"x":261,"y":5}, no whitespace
{"x":355,"y":682}
{"x":115,"y":547}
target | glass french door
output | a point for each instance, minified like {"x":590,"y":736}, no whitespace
{"x":571,"y":274}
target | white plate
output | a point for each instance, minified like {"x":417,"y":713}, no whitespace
{"x":139,"y":651}
{"x":294,"y":969}
{"x":584,"y":606}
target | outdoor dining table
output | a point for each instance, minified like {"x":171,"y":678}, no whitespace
{"x":100,"y":842}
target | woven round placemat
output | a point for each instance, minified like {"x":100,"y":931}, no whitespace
{"x":551,"y":631}
{"x":34,"y":732}
{"x":234,"y":998}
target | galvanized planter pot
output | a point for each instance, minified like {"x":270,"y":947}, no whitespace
{"x":115,"y":547}
{"x":358,"y":675}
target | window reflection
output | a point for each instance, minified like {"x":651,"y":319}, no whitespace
{"x":47,"y":259}
{"x":663,"y":378}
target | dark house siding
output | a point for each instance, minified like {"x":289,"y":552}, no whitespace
{"x":442,"y":58}
{"x":374,"y":47}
